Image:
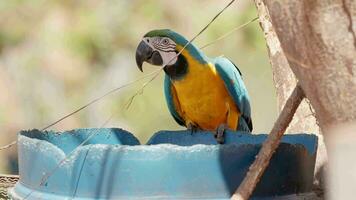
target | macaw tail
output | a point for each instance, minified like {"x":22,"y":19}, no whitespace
{"x":244,"y":125}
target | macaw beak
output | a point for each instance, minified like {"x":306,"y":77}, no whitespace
{"x":144,"y":53}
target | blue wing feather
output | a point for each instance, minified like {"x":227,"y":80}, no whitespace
{"x":170,"y":103}
{"x":231,"y":76}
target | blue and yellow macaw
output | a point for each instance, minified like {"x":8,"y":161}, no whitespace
{"x":201,"y":93}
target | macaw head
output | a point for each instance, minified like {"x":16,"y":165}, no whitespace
{"x":161,"y":47}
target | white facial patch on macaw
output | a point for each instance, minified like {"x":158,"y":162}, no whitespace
{"x":166,"y":48}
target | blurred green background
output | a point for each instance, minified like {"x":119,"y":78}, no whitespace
{"x":57,"y":55}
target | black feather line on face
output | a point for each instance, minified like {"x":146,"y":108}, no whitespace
{"x":164,"y":48}
{"x":179,"y":69}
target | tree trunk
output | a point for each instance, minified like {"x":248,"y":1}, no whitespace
{"x":318,"y":38}
{"x":304,"y":120}
{"x":283,"y":77}
{"x":284,"y":80}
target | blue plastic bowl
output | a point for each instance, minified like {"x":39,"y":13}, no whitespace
{"x":174,"y":165}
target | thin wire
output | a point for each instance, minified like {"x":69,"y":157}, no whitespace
{"x":99,"y":98}
{"x":87,"y":104}
{"x":65,"y":159}
{"x":80,"y":174}
{"x":156,"y":73}
{"x":8,"y":145}
{"x":180,"y":52}
{"x":214,"y":18}
{"x":127,"y":84}
{"x":140,"y":91}
{"x":230,"y":32}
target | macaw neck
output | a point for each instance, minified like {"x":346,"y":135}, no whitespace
{"x":178,"y":69}
{"x":190,"y":57}
{"x":195,"y":53}
{"x":192,"y":50}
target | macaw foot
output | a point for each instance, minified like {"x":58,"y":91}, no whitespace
{"x":193,"y":128}
{"x":219,"y":134}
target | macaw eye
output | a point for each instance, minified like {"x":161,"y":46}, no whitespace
{"x":165,"y":41}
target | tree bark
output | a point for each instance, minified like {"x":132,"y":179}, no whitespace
{"x":285,"y":81}
{"x":318,"y":38}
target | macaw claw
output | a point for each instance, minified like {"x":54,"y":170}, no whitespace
{"x":219,"y":134}
{"x":193,"y":128}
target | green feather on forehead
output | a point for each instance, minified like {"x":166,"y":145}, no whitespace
{"x":168,"y":33}
{"x":180,"y":40}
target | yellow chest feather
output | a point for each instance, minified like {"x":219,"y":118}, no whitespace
{"x":203,"y":98}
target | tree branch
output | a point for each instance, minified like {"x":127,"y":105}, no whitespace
{"x":279,"y":62}
{"x":263,"y":158}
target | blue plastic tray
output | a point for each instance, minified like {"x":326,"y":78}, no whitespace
{"x":174,"y":165}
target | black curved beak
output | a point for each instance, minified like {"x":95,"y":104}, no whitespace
{"x":144,"y":53}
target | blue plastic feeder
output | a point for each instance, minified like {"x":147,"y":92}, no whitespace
{"x":173,"y":165}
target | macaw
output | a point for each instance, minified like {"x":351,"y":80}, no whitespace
{"x":202,"y":93}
